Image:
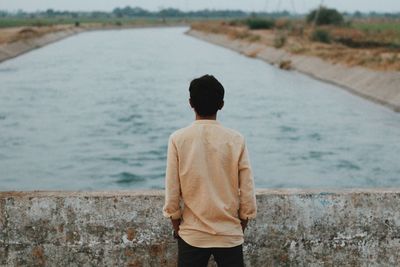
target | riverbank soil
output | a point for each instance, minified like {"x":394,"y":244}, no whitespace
{"x":372,"y":45}
{"x":14,"y":34}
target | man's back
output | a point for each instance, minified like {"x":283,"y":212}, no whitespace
{"x":208,"y":168}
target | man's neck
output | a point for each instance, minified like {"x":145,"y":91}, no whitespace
{"x":212,"y":117}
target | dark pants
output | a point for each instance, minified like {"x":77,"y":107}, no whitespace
{"x":189,"y":256}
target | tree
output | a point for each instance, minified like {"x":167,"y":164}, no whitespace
{"x":358,"y":14}
{"x":325,"y":16}
{"x":131,"y":12}
{"x":3,"y":14}
{"x":170,"y":12}
{"x":50,"y":12}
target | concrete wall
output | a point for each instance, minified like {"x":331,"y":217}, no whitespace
{"x":126,"y":228}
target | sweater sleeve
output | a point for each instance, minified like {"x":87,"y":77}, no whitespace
{"x":247,"y":203}
{"x":171,"y":207}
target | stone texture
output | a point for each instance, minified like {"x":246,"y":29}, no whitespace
{"x":126,"y":228}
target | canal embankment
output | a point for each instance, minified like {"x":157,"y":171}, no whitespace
{"x":359,"y":227}
{"x":382,"y":87}
{"x":23,"y":45}
{"x":26,"y":39}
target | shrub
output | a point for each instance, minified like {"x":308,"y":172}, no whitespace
{"x":254,"y":38}
{"x":298,"y":30}
{"x":280,"y":40}
{"x":325,"y":16}
{"x":256,"y":23}
{"x":38,"y":23}
{"x":241,"y":34}
{"x":285,"y":65}
{"x":283,"y":24}
{"x":236,"y":22}
{"x":322,"y":36}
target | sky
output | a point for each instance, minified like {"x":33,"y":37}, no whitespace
{"x":297,"y":6}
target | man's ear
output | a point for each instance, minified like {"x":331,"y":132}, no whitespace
{"x":222,"y":105}
{"x":190,"y":102}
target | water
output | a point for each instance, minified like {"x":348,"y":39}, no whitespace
{"x":94,"y":112}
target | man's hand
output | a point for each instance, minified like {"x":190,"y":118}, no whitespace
{"x":244,"y":224}
{"x":175,"y":225}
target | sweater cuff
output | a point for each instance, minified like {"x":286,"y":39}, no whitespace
{"x":247,"y":216}
{"x":173,"y":215}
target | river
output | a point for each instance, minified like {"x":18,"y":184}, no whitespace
{"x":94,"y":112}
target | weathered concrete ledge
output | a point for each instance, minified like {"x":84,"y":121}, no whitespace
{"x":382,"y":87}
{"x":126,"y":228}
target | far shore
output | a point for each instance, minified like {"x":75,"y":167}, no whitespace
{"x":382,"y":87}
{"x":16,"y":41}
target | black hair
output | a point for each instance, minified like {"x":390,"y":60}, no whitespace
{"x":206,"y":95}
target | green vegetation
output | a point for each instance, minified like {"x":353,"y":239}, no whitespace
{"x":255,"y":23}
{"x":259,"y":23}
{"x":284,"y":24}
{"x":126,"y":15}
{"x":378,"y":26}
{"x":368,"y":43}
{"x":20,"y":22}
{"x":357,"y":40}
{"x":122,"y":16}
{"x":237,"y":22}
{"x":322,"y":36}
{"x":280,"y":40}
{"x":325,"y":16}
{"x":254,"y":38}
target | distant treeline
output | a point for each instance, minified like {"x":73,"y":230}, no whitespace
{"x":137,"y":12}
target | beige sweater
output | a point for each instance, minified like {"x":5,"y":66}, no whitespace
{"x":209,"y":170}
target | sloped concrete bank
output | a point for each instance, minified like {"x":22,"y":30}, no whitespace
{"x":11,"y":50}
{"x":14,"y":49}
{"x":380,"y":87}
{"x":126,"y":228}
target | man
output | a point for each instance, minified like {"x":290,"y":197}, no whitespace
{"x":208,"y":169}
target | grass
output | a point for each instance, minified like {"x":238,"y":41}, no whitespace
{"x":221,"y":27}
{"x":31,"y":22}
{"x":387,"y":31}
{"x":321,"y":35}
{"x":377,"y":26}
{"x":259,"y":23}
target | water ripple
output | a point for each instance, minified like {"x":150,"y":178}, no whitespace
{"x":347,"y":165}
{"x":128,"y":178}
{"x":317,"y":155}
{"x":287,"y":129}
{"x":315,"y":136}
{"x":131,"y":118}
{"x":8,"y":70}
